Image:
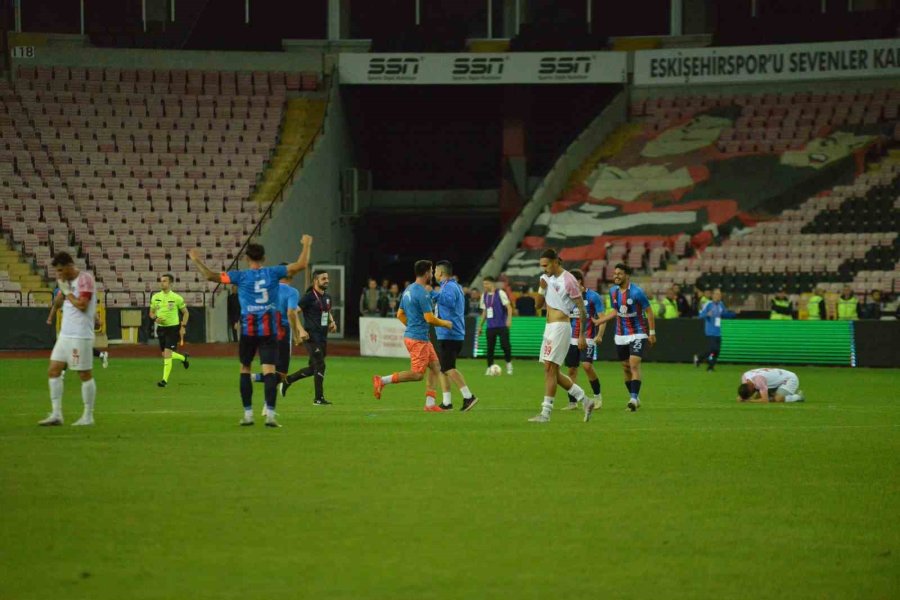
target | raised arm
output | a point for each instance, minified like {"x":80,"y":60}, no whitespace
{"x":303,"y":260}
{"x":208,"y":274}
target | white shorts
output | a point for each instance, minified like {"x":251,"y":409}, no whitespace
{"x":555,"y":345}
{"x":789,"y":387}
{"x":77,"y":353}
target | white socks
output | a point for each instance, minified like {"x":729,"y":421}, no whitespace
{"x":88,"y":395}
{"x":547,"y":405}
{"x":577,"y":392}
{"x":448,"y":399}
{"x":386,"y":379}
{"x":466,"y":392}
{"x":56,"y":394}
{"x":429,"y":401}
{"x":794,"y":398}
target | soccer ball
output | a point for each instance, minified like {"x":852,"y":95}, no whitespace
{"x":496,"y":371}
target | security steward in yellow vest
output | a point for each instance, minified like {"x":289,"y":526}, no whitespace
{"x":781,"y":307}
{"x":848,"y":305}
{"x":670,"y":305}
{"x":815,"y":306}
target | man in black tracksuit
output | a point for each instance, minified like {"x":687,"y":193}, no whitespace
{"x":318,"y":322}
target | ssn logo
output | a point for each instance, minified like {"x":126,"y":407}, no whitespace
{"x":565,"y":65}
{"x":478,"y":66}
{"x":393,"y":66}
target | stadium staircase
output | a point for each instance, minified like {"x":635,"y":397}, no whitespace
{"x":126,"y":169}
{"x":18,"y":280}
{"x":302,"y":122}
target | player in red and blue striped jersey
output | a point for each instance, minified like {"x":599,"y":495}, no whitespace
{"x":258,"y":292}
{"x":635,"y":326}
{"x":594,"y":305}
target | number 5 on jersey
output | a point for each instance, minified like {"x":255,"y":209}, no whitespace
{"x":260,"y":288}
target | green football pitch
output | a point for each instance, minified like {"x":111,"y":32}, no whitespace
{"x":694,"y":496}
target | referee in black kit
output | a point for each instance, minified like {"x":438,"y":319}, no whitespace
{"x":318,"y":322}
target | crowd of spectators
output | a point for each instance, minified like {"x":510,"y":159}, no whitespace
{"x":382,"y":300}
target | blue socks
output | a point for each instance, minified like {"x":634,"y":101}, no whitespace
{"x":271,"y":382}
{"x":246,"y":391}
{"x":634,"y":386}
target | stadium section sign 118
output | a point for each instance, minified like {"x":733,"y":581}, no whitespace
{"x":483,"y":68}
{"x":790,"y":62}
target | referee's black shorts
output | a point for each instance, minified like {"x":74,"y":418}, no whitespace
{"x":266,"y":345}
{"x":448,"y":351}
{"x":168,"y":337}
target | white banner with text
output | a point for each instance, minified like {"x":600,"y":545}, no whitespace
{"x":483,"y":68}
{"x":381,"y":337}
{"x":750,"y":64}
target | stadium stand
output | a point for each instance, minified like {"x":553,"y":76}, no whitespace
{"x":123,"y":167}
{"x":688,"y":171}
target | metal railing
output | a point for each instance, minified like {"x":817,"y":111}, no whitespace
{"x":267,"y":213}
{"x":16,"y":295}
{"x":31,"y":298}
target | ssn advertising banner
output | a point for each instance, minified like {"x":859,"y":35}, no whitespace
{"x":790,"y":62}
{"x":381,"y":337}
{"x":483,"y":68}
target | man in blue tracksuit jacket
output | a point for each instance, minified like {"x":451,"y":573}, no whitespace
{"x":712,"y":314}
{"x":451,"y":306}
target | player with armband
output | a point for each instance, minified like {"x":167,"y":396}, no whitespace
{"x":258,"y":291}
{"x":74,"y":348}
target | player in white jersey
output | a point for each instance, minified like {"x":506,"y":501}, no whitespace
{"x":562,"y":295}
{"x":74,"y":348}
{"x":770,"y":385}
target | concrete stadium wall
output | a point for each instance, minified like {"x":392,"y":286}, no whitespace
{"x":73,"y":51}
{"x":313,"y":203}
{"x":826,"y":87}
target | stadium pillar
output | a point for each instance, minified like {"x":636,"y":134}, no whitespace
{"x":676,"y":10}
{"x":338,"y":19}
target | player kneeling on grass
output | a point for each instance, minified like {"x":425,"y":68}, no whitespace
{"x":416,"y":314}
{"x":75,"y":345}
{"x":770,"y":385}
{"x":562,"y":295}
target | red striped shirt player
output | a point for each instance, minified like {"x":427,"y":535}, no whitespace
{"x":74,"y":348}
{"x":258,"y":292}
{"x":635,"y":326}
